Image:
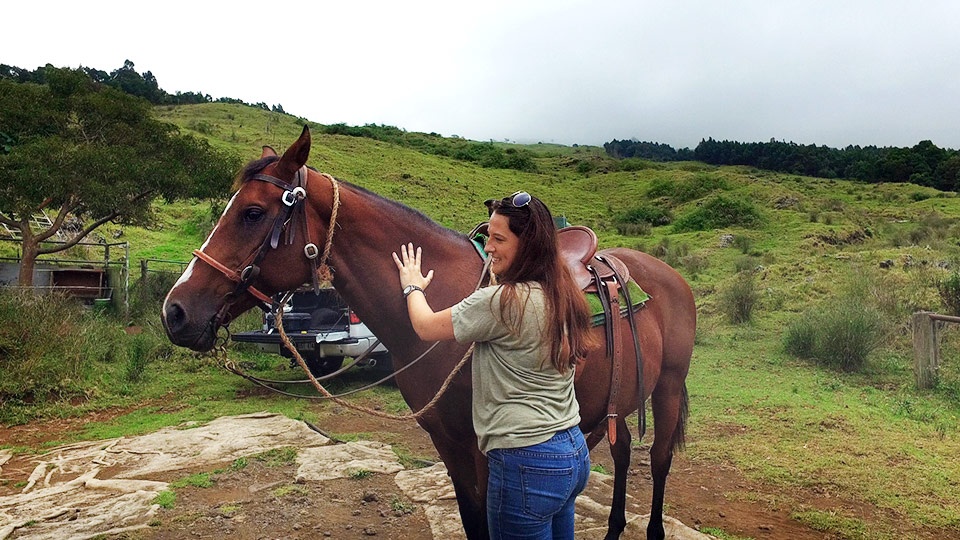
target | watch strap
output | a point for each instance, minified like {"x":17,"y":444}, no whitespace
{"x":410,"y":288}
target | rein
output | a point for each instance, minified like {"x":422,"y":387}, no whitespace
{"x":293,"y":198}
{"x":325,"y":394}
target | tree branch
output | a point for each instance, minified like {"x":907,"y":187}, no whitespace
{"x":65,"y":208}
{"x":80,"y":236}
{"x":8,"y":221}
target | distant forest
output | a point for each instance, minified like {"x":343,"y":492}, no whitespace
{"x":128,"y":80}
{"x":924,"y":164}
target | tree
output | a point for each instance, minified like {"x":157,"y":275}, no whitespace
{"x":81,"y":149}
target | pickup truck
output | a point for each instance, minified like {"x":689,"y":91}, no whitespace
{"x":323,"y":329}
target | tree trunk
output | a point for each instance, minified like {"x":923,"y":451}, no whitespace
{"x":28,"y":259}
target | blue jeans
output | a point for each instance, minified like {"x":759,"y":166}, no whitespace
{"x":532,"y":490}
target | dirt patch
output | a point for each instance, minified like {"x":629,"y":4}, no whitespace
{"x":265,"y":499}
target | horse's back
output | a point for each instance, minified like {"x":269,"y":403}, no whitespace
{"x":671,"y":301}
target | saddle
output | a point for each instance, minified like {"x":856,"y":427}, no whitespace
{"x":608,"y":278}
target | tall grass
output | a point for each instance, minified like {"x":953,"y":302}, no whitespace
{"x":53,"y":349}
{"x":949,"y":290}
{"x":45,"y":344}
{"x":739,"y":299}
{"x":841,"y":332}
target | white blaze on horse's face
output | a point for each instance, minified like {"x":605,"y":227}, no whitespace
{"x":189,"y":271}
{"x":502,"y":244}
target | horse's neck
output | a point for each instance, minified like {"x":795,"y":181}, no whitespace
{"x":368,"y":231}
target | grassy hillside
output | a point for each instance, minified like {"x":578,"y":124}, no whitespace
{"x":810,"y":245}
{"x":815,"y":241}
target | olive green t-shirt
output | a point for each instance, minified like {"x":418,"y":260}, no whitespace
{"x":519,"y":398}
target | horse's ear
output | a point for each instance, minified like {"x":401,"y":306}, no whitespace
{"x":268,"y":151}
{"x":295,"y":156}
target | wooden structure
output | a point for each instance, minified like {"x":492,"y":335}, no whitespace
{"x":926,"y":348}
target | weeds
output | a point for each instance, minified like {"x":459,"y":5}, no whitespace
{"x":839,"y":334}
{"x":360,"y":474}
{"x":200,"y":480}
{"x":166,"y":499}
{"x":277,"y":457}
{"x":400,"y":506}
{"x":738,"y":301}
{"x":949,"y":290}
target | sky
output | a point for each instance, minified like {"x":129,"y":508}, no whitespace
{"x":834,"y":73}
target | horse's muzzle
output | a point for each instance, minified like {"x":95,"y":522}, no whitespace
{"x":186,"y":333}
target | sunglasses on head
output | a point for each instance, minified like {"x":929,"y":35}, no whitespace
{"x":517,"y":200}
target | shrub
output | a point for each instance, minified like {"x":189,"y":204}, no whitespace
{"x":647,"y":214}
{"x":634,"y":229}
{"x":743,"y":243}
{"x":687,"y":189}
{"x":670,"y":254}
{"x":695,"y":263}
{"x":43,"y":346}
{"x":949,"y":290}
{"x":718,"y":213}
{"x":739,"y":299}
{"x":744,"y":263}
{"x":839,"y":334}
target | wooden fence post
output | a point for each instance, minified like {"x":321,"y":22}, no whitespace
{"x":144,"y":288}
{"x":925,"y":350}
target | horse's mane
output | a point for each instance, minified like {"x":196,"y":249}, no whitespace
{"x":257,"y":166}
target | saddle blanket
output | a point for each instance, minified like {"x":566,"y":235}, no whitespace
{"x":638,"y":297}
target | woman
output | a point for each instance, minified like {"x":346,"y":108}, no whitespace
{"x":530,"y":329}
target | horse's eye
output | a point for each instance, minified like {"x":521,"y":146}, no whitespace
{"x":253,"y":214}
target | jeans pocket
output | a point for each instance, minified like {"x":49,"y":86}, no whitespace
{"x":545,"y":491}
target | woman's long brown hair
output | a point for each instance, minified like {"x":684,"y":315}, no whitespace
{"x":538,"y":260}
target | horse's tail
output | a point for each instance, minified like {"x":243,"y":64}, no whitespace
{"x":680,"y":433}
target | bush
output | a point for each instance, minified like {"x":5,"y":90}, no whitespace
{"x":739,"y":299}
{"x":642,"y":218}
{"x":671,"y":254}
{"x":695,"y":263}
{"x":718,"y":213}
{"x":745,"y":263}
{"x":52,"y":349}
{"x":743,"y":243}
{"x":949,"y":290}
{"x":687,"y":189}
{"x":45,"y":344}
{"x":839,"y":334}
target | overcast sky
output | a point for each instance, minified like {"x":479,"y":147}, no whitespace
{"x":833,"y":72}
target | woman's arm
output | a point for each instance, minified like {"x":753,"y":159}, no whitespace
{"x":429,"y":325}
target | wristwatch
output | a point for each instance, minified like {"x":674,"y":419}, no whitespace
{"x":410,"y":288}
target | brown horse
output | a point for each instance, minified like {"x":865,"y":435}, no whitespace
{"x":244,"y":256}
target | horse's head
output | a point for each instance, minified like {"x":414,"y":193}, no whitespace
{"x":225,"y":277}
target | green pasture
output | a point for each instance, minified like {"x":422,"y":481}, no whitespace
{"x":801,"y":246}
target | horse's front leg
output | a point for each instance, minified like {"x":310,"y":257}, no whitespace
{"x":620,"y":451}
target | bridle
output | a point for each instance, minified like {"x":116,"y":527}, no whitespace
{"x":294,"y":200}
